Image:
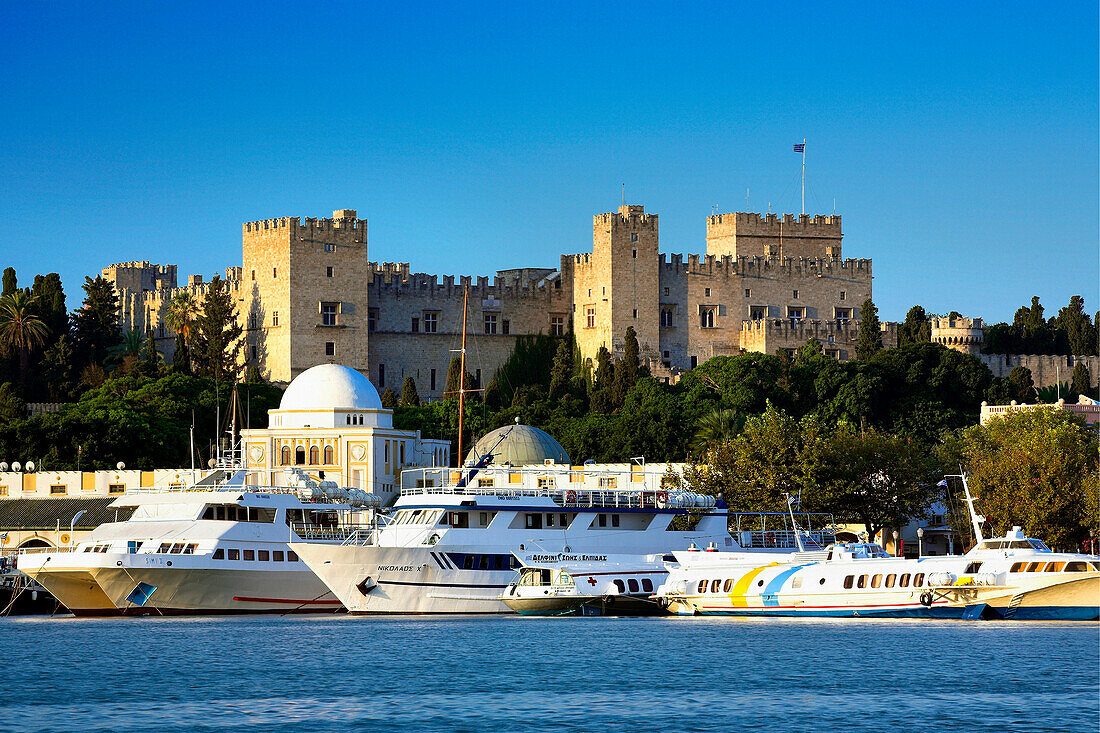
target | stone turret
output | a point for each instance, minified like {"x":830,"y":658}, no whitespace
{"x":960,"y":334}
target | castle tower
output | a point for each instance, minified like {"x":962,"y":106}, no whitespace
{"x":304,"y":293}
{"x":960,"y":334}
{"x":617,"y":285}
{"x":769,"y":235}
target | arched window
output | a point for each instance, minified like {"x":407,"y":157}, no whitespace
{"x":284,"y":456}
{"x":328,"y":455}
{"x":314,"y":455}
{"x":299,"y":456}
{"x":347,"y":419}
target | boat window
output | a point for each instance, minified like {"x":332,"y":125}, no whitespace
{"x":483,"y":563}
{"x":973,"y":567}
{"x":460,"y":520}
{"x":565,"y":579}
{"x":647,"y":585}
{"x":622,"y":588}
{"x":177,"y":548}
{"x":1054,"y":567}
{"x":727,"y":585}
{"x":904,"y":580}
{"x":890,"y":580}
{"x":1039,"y":545}
{"x":549,"y":520}
{"x":189,"y":549}
{"x":701,"y":589}
{"x":265,"y":555}
{"x":602,"y":520}
{"x":1034,"y":567}
{"x":1077,"y":567}
{"x":219,"y":554}
{"x":276,"y":555}
{"x":234,"y":554}
{"x":534,"y":521}
{"x":848,"y":581}
{"x":614,"y":520}
{"x":249,"y":554}
{"x":632,"y":584}
{"x":1020,"y":545}
{"x":715,"y":585}
{"x":1017,"y":567}
{"x":796,"y":583}
{"x":468,"y":562}
{"x":918,"y":580}
{"x":484,"y":519}
{"x":513,"y":562}
{"x":1096,"y":564}
{"x":862,"y":582}
{"x":876,"y":581}
{"x":164,"y":548}
{"x":291,"y":556}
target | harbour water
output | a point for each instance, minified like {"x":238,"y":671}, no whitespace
{"x":308,"y":674}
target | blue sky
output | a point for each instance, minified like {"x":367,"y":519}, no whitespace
{"x":959,"y":141}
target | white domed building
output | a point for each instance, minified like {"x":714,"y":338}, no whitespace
{"x":331,"y":421}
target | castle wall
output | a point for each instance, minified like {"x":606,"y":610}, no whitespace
{"x":1045,"y":369}
{"x":838,"y":338}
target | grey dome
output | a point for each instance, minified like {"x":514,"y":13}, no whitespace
{"x":522,"y":445}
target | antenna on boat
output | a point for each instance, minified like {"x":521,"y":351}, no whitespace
{"x":790,"y":510}
{"x":975,"y":518}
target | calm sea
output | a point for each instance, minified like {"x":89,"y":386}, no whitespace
{"x":504,"y":674}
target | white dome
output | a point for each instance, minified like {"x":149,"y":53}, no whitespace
{"x":330,"y":387}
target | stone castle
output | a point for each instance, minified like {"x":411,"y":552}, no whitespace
{"x":307,"y":293}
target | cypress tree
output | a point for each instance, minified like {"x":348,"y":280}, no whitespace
{"x":11,"y":282}
{"x":218,"y":342}
{"x":1082,"y":380}
{"x":870,"y":331}
{"x":96,"y":323}
{"x":409,"y":396}
{"x":389,"y":399}
{"x":561,"y":373}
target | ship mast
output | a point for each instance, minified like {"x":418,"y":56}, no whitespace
{"x":462,"y":373}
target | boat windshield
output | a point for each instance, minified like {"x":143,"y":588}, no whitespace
{"x":1028,"y":544}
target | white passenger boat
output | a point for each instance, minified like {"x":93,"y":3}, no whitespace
{"x":1009,"y":577}
{"x":220,"y":546}
{"x":455,"y":547}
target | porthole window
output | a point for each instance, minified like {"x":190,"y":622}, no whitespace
{"x":647,"y":585}
{"x":622,"y":588}
{"x":633,"y":585}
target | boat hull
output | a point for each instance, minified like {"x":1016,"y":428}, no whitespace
{"x":76,"y":589}
{"x":568,"y":605}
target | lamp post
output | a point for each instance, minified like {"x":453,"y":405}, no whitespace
{"x":920,"y":542}
{"x":897,"y":553}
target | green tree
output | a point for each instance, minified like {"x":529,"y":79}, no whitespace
{"x":453,"y":372}
{"x":1082,"y":380}
{"x":96,"y":325}
{"x":718,"y":426}
{"x":917,"y":327}
{"x":149,"y":365}
{"x":1074,"y":324}
{"x":21,"y":330}
{"x":217,"y":335}
{"x":602,"y":399}
{"x":561,"y":373}
{"x":51,"y":305}
{"x":628,"y":368}
{"x":1036,"y":469}
{"x":12,"y":408}
{"x":389,"y":399}
{"x":409,"y":396}
{"x":870,"y":331}
{"x":11,"y":282}
{"x":58,"y":370}
{"x":1021,"y":384}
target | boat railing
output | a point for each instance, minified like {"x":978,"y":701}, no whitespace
{"x":321,"y":533}
{"x":612,"y":498}
{"x":360,"y":537}
{"x":783,"y":539}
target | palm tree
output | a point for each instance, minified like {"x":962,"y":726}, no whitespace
{"x":132,"y":341}
{"x":182,"y":311}
{"x":21,"y":330}
{"x":719,"y":426}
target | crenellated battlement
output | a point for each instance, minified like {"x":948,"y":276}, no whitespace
{"x":396,"y":283}
{"x":343,"y":222}
{"x":795,"y":225}
{"x":729,"y":266}
{"x":630,"y":215}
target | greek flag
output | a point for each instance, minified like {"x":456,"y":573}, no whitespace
{"x":800,"y":147}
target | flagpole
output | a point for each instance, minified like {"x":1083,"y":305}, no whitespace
{"x":803,"y":175}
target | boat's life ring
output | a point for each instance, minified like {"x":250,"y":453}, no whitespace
{"x":662,"y":498}
{"x":570,"y":497}
{"x":769,"y":539}
{"x":65,"y":538}
{"x":926,"y":600}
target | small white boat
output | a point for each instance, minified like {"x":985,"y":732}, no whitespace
{"x":612,"y":586}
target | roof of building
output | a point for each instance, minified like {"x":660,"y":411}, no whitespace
{"x":46,"y":513}
{"x":519,"y":445}
{"x":330,"y":387}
